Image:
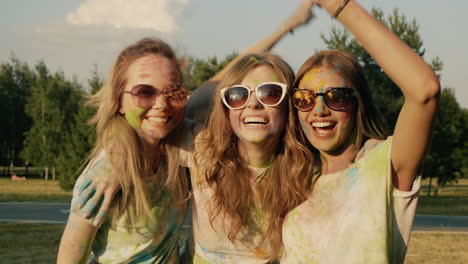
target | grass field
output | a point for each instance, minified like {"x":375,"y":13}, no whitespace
{"x":31,"y":243}
{"x":32,"y":190}
{"x":440,"y":248}
{"x":452,"y":200}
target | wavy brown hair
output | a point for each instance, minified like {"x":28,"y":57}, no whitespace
{"x":218,"y":159}
{"x":369,"y":122}
{"x":125,"y":149}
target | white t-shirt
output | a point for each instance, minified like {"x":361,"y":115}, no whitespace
{"x":353,"y":216}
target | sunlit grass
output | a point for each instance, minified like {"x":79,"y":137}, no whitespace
{"x":436,"y":248}
{"x":34,"y":243}
{"x":452,"y":200}
{"x":32,"y":190}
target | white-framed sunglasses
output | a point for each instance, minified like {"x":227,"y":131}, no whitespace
{"x":267,"y":93}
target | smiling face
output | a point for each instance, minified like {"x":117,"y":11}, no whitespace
{"x":327,"y":130}
{"x":156,"y":122}
{"x":256,"y":123}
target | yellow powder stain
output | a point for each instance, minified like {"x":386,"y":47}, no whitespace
{"x":313,"y":78}
{"x":261,"y":252}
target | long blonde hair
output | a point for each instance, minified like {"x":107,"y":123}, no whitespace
{"x":124,"y":147}
{"x":369,"y":122}
{"x":218,"y":159}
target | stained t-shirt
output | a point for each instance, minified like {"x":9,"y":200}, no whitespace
{"x":353,"y":216}
{"x":212,"y":244}
{"x":153,"y":239}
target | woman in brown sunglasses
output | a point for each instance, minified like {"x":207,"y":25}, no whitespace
{"x":142,"y":142}
{"x":363,"y":198}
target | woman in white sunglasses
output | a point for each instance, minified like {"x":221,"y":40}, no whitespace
{"x":256,"y":248}
{"x":363,"y":200}
{"x":246,"y":165}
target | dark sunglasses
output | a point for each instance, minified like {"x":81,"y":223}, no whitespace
{"x":268,"y":94}
{"x":143,"y":95}
{"x":341,"y":99}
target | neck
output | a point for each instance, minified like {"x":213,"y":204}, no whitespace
{"x":257,"y":155}
{"x":153,"y":150}
{"x":339,"y":159}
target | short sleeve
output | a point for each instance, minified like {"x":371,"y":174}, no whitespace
{"x":96,"y":168}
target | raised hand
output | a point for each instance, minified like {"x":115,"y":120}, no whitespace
{"x":301,"y":16}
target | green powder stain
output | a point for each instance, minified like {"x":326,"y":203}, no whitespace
{"x":133,"y":117}
{"x":276,"y":79}
{"x":253,"y":59}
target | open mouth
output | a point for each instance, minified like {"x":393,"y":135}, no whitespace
{"x":323,"y":128}
{"x":255,"y":121}
{"x":158,"y":120}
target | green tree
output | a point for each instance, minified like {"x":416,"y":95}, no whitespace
{"x":446,"y":160}
{"x":80,"y":140}
{"x":15,"y":87}
{"x":198,"y":71}
{"x":52,"y":106}
{"x":384,"y":91}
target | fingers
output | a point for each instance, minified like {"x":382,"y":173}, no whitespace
{"x":108,"y":196}
{"x":84,"y":185}
{"x":86,"y":193}
{"x":92,"y":204}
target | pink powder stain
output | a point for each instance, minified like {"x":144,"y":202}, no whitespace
{"x":144,"y":75}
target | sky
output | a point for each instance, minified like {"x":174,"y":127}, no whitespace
{"x":73,"y":35}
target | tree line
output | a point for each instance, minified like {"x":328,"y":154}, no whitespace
{"x":44,"y":114}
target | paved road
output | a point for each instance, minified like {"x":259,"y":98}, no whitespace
{"x":45,"y":212}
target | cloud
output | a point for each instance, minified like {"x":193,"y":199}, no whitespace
{"x":160,"y":15}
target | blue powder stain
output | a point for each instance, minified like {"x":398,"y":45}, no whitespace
{"x":319,"y":109}
{"x":344,"y":83}
{"x":352,"y":174}
{"x":321,"y":90}
{"x":305,"y":128}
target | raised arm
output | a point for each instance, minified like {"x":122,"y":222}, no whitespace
{"x":418,"y":83}
{"x":199,"y":104}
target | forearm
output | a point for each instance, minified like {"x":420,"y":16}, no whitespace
{"x":78,"y":236}
{"x":405,"y":67}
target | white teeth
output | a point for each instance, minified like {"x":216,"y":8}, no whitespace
{"x":255,"y":119}
{"x":322,"y":124}
{"x":157,"y":119}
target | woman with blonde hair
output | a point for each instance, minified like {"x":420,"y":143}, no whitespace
{"x":139,"y":136}
{"x":363,"y":201}
{"x":244,"y":181}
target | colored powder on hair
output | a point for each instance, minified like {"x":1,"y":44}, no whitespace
{"x":134,"y":117}
{"x":254,"y":59}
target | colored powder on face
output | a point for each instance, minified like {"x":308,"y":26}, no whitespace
{"x":134,"y":117}
{"x":344,"y":83}
{"x":144,"y":75}
{"x":319,"y":108}
{"x":275,"y":79}
{"x":305,"y":128}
